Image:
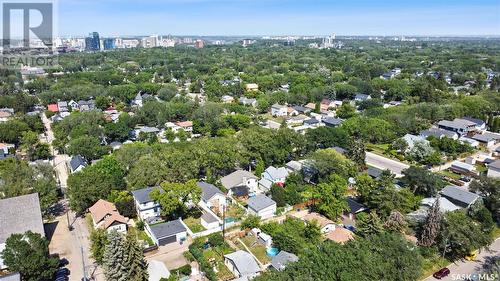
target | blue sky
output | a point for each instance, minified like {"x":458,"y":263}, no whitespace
{"x":276,"y":17}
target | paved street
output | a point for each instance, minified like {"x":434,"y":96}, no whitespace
{"x":384,"y":163}
{"x":459,"y":269}
{"x":59,"y":160}
{"x":69,"y":244}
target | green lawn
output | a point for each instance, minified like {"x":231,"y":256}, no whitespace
{"x":194,"y":224}
{"x":235,"y":211}
{"x":258,"y":250}
{"x":141,"y":235}
{"x":449,"y":174}
{"x":432,"y":265}
{"x":215,"y":256}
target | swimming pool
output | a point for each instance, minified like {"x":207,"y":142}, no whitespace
{"x":272,"y":252}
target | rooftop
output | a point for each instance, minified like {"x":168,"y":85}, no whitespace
{"x":280,"y":261}
{"x":167,"y":228}
{"x":244,"y":262}
{"x":20,"y":214}
{"x":459,"y":194}
{"x":260,"y":202}
{"x":208,"y":190}
{"x":236,"y":178}
{"x":142,"y":195}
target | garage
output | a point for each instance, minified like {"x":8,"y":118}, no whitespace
{"x":167,"y":240}
{"x":167,"y":232}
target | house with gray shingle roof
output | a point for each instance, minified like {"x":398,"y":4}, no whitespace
{"x":242,"y":264}
{"x":261,"y":206}
{"x":283,"y":258}
{"x":211,"y":196}
{"x":460,"y":196}
{"x":77,"y":163}
{"x":167,"y":232}
{"x":240,"y":178}
{"x":145,"y":206}
{"x":18,"y":215}
{"x":438,"y":133}
{"x":494,"y":169}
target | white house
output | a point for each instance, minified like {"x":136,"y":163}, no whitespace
{"x":145,"y":206}
{"x":273,"y":175}
{"x":227,"y":99}
{"x":240,"y":178}
{"x":279,"y":110}
{"x":242,"y":265}
{"x":211,"y":196}
{"x":494,"y":169}
{"x":261,"y":206}
{"x":209,"y":221}
{"x":105,"y":215}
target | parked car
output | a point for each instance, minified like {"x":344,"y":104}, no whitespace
{"x":465,"y":179}
{"x":443,"y":272}
{"x":63,"y":271}
{"x":63,"y":262}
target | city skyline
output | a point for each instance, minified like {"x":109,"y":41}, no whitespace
{"x":278,"y":17}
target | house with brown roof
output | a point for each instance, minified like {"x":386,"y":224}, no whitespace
{"x":340,"y":235}
{"x":326,"y":225}
{"x":105,"y":215}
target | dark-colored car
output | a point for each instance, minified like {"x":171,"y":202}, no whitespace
{"x":443,"y":272}
{"x":63,"y":262}
{"x":63,"y":271}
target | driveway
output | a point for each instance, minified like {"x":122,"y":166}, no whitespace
{"x":383,"y":163}
{"x":71,"y":245}
{"x":461,"y":270}
{"x":59,"y":160}
{"x":171,"y":254}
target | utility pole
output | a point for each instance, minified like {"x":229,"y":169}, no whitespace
{"x":224,"y":221}
{"x":83,"y":265}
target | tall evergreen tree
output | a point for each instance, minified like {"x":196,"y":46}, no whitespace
{"x":431,"y":227}
{"x":136,"y":264}
{"x":368,"y":224}
{"x":356,"y":152}
{"x":115,"y":258}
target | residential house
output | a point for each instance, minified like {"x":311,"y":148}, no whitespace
{"x":105,"y":215}
{"x":248,"y":101}
{"x":326,"y":225}
{"x":438,"y":133}
{"x":327,"y":104}
{"x":426,"y":204}
{"x":459,"y":126}
{"x":292,"y":111}
{"x":272,"y":176}
{"x":472,"y":142}
{"x":240,"y":178}
{"x":252,"y":87}
{"x":480,"y":124}
{"x":6,"y":149}
{"x":459,"y":196}
{"x":145,"y":206}
{"x":312,"y":123}
{"x":282,"y":259}
{"x":354,"y":208}
{"x":18,"y":215}
{"x":331,"y":121}
{"x":261,"y":206}
{"x":302,"y":109}
{"x":242,"y":264}
{"x":77,"y":163}
{"x":412,"y":139}
{"x":494,"y":169}
{"x":85,"y":106}
{"x":145,"y":130}
{"x":53,"y":107}
{"x":270,"y":124}
{"x":209,"y":221}
{"x":185,"y":125}
{"x":138,"y":101}
{"x":265,"y":239}
{"x":227,"y":99}
{"x":73,"y":105}
{"x":167,"y":233}
{"x":293,"y":166}
{"x":197,"y":97}
{"x":211,"y":196}
{"x":311,"y":106}
{"x":462,"y":168}
{"x":6,"y":114}
{"x":487,"y":139}
{"x":279,"y":110}
{"x":362,"y":97}
{"x":62,"y":106}
{"x":296,"y":120}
